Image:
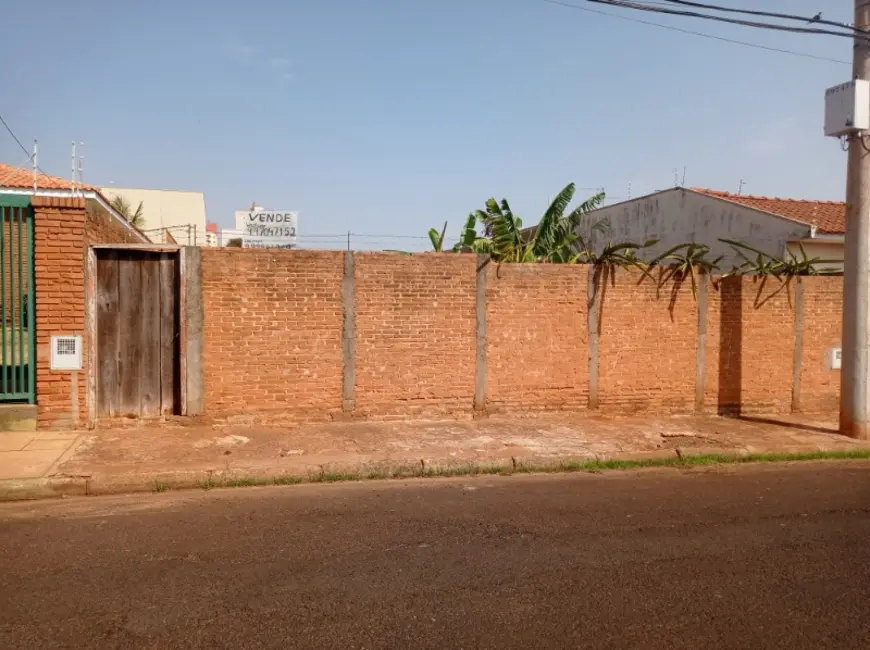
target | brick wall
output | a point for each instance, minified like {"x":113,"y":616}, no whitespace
{"x":275,"y":340}
{"x":647,"y":349}
{"x":59,"y":245}
{"x":102,"y":228}
{"x":271,"y":331}
{"x":767,"y":341}
{"x":415,"y":331}
{"x":63,"y":226}
{"x":536,"y":352}
{"x":750,"y":346}
{"x":822,"y":322}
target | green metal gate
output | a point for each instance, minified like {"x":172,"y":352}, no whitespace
{"x":17,"y":312}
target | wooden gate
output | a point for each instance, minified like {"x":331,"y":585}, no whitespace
{"x":137,"y":322}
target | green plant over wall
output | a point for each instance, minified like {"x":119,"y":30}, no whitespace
{"x":757,"y":262}
{"x":686,"y":261}
{"x":552,"y":240}
{"x":469,"y":241}
{"x":437,"y":238}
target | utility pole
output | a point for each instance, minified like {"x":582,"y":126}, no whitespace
{"x":855,"y":371}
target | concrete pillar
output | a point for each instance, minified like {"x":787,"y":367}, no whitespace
{"x":855,"y":374}
{"x":348,"y":335}
{"x":597,"y":276}
{"x":798,"y":345}
{"x":701,"y":351}
{"x":480,"y":351}
{"x":192,"y":324}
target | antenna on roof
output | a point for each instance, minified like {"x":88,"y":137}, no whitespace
{"x":35,"y":163}
{"x":73,"y":167}
{"x":81,"y":164}
{"x":740,"y":187}
{"x":683,"y":184}
{"x":676,"y":178}
{"x":629,"y":190}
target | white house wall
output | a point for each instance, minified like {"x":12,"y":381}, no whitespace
{"x":678,"y":216}
{"x":171,"y":209}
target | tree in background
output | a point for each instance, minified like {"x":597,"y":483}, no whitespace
{"x":235,"y":242}
{"x":123,"y":207}
{"x":555,"y":239}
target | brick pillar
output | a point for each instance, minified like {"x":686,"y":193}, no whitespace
{"x":59,"y":256}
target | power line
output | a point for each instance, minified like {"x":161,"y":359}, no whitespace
{"x":14,"y":137}
{"x":29,"y":154}
{"x":627,"y":4}
{"x":672,"y":28}
{"x":816,"y":20}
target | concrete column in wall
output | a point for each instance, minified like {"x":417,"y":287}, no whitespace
{"x":596,"y":277}
{"x":192,"y":331}
{"x":348,"y":335}
{"x":798,"y":344}
{"x":701,"y":350}
{"x":480,"y":339}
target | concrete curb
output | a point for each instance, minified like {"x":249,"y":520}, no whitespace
{"x":59,"y":486}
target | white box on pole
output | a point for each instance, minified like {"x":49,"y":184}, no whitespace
{"x":847,"y":108}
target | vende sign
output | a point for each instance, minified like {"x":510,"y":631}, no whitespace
{"x":267,"y":228}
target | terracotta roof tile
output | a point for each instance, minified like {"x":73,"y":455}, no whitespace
{"x":828,"y":216}
{"x":23,"y":178}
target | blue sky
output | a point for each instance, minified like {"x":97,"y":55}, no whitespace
{"x":391,"y":116}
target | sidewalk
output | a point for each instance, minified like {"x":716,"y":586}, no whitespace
{"x":176,"y":455}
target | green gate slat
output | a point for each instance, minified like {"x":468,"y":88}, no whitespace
{"x":19,"y":369}
{"x":12,"y":382}
{"x":6,"y":213}
{"x":17,"y":300}
{"x":14,"y":279}
{"x":31,"y":310}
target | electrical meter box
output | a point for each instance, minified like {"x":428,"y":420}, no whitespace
{"x":66,"y":352}
{"x":847,"y":108}
{"x":835,"y":358}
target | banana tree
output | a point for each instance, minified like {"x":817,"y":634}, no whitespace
{"x":437,"y":238}
{"x":552,"y":240}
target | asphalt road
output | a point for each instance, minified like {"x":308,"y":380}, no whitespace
{"x":765,"y":557}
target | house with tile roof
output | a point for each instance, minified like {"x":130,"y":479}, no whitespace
{"x":777,"y":226}
{"x":15,"y":181}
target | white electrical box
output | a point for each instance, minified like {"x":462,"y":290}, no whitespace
{"x":847,"y":108}
{"x":66,"y":352}
{"x":835,"y":358}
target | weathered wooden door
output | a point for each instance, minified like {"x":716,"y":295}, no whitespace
{"x":137,"y":333}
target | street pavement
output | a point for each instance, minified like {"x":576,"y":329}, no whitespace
{"x":771,"y":556}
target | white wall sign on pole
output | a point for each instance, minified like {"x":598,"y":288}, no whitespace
{"x":267,"y":228}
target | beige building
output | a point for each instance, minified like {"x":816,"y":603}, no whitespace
{"x":774,"y":225}
{"x":169,"y":215}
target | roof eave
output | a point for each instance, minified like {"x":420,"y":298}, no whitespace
{"x":87,"y":194}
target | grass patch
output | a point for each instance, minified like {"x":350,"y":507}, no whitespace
{"x":519,"y":467}
{"x":287,"y":480}
{"x":246,"y":482}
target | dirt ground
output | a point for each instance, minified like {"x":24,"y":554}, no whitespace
{"x":174,"y":449}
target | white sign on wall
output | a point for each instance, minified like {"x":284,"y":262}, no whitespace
{"x":835,"y":358}
{"x":267,"y":228}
